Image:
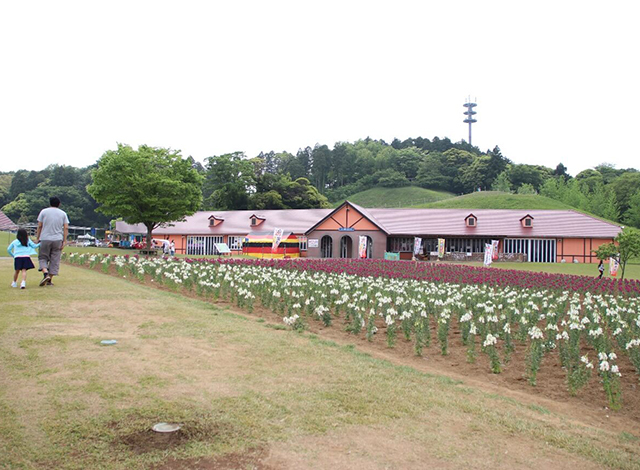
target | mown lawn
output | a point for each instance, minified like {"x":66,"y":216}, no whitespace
{"x":632,"y":270}
{"x":241,"y":387}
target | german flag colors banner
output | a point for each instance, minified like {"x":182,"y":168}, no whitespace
{"x":260,"y":245}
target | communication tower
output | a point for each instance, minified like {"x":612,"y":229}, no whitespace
{"x":470,"y":113}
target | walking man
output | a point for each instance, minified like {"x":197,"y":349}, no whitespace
{"x":53,"y":228}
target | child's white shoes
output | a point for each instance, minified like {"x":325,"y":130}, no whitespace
{"x":14,"y":284}
{"x":23,"y":285}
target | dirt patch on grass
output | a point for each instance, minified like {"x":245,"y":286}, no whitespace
{"x":250,"y":460}
{"x":451,"y":445}
{"x":149,"y":441}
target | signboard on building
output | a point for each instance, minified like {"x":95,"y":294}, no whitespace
{"x":312,"y":243}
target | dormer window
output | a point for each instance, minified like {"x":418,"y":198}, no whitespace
{"x":527,"y":221}
{"x":471,"y":220}
{"x":256,"y":220}
{"x":214,"y":221}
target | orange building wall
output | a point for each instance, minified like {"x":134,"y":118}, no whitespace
{"x":580,"y":249}
{"x":347,"y":217}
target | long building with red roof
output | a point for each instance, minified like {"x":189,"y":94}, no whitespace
{"x":534,"y":236}
{"x":6,"y":223}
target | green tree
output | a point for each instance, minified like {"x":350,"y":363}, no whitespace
{"x":407,"y":161}
{"x":24,"y":181}
{"x":456,"y":162}
{"x":269,"y":200}
{"x":433,"y":172}
{"x":292,"y":165}
{"x":5,"y":186}
{"x":602,"y":202}
{"x":75,"y":202}
{"x":17,"y":209}
{"x":589,"y":179}
{"x":632,"y":216}
{"x":344,"y":161}
{"x":391,"y":179}
{"x":228,"y":181}
{"x":301,"y":194}
{"x":561,"y":172}
{"x":625,"y":186}
{"x":280,"y":192}
{"x":151,"y":186}
{"x":526,"y":188}
{"x":609,"y":172}
{"x":62,"y":175}
{"x":502,"y":183}
{"x":535,"y":175}
{"x":626,"y":246}
{"x":496,"y":165}
{"x":476,"y":175}
{"x":321,"y":166}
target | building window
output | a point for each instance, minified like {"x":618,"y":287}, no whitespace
{"x":398,"y":244}
{"x":528,"y":222}
{"x":254,"y":221}
{"x":212,"y":222}
{"x":536,"y":250}
{"x":203,"y":245}
{"x":326,"y":247}
{"x":235,"y":243}
{"x":302,"y":243}
{"x":465,"y":245}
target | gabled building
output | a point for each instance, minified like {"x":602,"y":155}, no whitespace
{"x":534,"y":236}
{"x":6,"y":223}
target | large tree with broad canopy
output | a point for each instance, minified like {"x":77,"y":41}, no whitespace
{"x":150,"y":186}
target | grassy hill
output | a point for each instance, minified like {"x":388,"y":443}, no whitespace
{"x":496,"y":200}
{"x":407,"y":196}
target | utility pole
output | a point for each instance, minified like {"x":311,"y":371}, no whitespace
{"x":469,"y":113}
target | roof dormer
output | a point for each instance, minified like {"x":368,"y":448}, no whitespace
{"x":471,"y":220}
{"x":527,"y":221}
{"x":256,"y":220}
{"x":215,"y":221}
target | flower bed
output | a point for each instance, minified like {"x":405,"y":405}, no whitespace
{"x":450,"y":273}
{"x":540,"y":314}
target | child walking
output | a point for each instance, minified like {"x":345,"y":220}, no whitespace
{"x":21,"y":250}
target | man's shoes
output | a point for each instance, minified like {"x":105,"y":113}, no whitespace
{"x":49,"y":283}
{"x":45,"y":280}
{"x":23,"y":285}
{"x":14,"y":284}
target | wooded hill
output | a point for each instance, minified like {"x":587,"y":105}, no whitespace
{"x":320,"y":176}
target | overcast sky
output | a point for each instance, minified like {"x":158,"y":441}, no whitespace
{"x":554,"y":81}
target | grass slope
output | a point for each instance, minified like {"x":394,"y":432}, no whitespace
{"x":396,"y":197}
{"x":244,"y":388}
{"x":496,"y":200}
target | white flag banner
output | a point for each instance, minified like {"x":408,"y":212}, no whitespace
{"x":494,"y":253}
{"x":277,"y":237}
{"x":488,"y":254}
{"x":417,"y":246}
{"x":362,"y":248}
{"x":613,"y":267}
